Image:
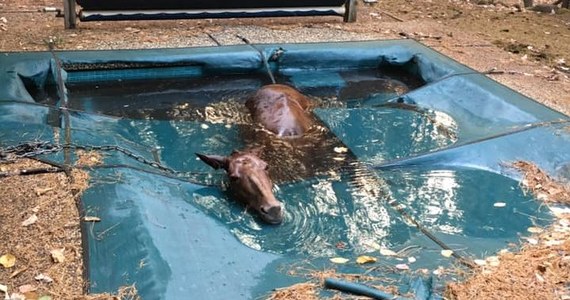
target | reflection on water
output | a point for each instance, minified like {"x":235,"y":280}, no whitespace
{"x":320,"y":214}
{"x":163,"y":99}
{"x":380,"y":134}
{"x":461,"y":201}
{"x":439,"y":188}
{"x":323,"y":213}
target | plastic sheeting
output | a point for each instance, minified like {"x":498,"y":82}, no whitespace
{"x":436,"y":149}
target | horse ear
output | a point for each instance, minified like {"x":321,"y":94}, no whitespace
{"x":214,"y":161}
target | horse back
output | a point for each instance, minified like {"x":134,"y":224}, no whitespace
{"x":281,"y":109}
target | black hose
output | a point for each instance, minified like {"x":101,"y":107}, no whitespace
{"x":359,"y":289}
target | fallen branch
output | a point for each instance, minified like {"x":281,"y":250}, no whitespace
{"x":26,"y":172}
{"x":473,"y":45}
{"x":392,"y":16}
{"x":416,"y":35}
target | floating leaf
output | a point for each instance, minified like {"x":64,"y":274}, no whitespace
{"x":340,"y":149}
{"x":533,"y":229}
{"x":57,"y":255}
{"x":7,"y":260}
{"x":91,"y":219}
{"x":365,"y":259}
{"x":43,"y":278}
{"x":387,"y":252}
{"x":374,"y":245}
{"x":480,"y":262}
{"x":29,"y":221}
{"x":402,"y":267}
{"x":339,"y":260}
{"x":504,"y":251}
{"x":446,"y":253}
{"x":500,"y":204}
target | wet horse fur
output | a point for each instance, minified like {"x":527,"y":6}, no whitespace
{"x":296,"y":148}
{"x":282,"y":110}
{"x":249,"y":182}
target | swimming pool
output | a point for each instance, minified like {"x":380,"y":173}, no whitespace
{"x":398,"y":123}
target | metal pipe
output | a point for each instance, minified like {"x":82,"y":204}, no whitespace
{"x":69,"y":14}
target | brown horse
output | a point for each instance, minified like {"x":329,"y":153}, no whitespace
{"x":249,"y":182}
{"x":283,"y":111}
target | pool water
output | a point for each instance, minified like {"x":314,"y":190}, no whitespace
{"x":332,"y":197}
{"x":403,"y":136}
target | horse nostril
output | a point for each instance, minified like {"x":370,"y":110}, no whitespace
{"x":272,"y":210}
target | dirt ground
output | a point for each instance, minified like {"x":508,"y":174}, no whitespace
{"x":48,"y":199}
{"x":532,"y":48}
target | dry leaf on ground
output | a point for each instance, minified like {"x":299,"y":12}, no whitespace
{"x":29,"y":221}
{"x":7,"y":260}
{"x":58,"y":255}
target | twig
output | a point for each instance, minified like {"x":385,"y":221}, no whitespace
{"x":18,"y":272}
{"x":392,"y":16}
{"x":213,"y":39}
{"x":473,"y":45}
{"x":420,"y":227}
{"x":406,"y":250}
{"x":101,"y":234}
